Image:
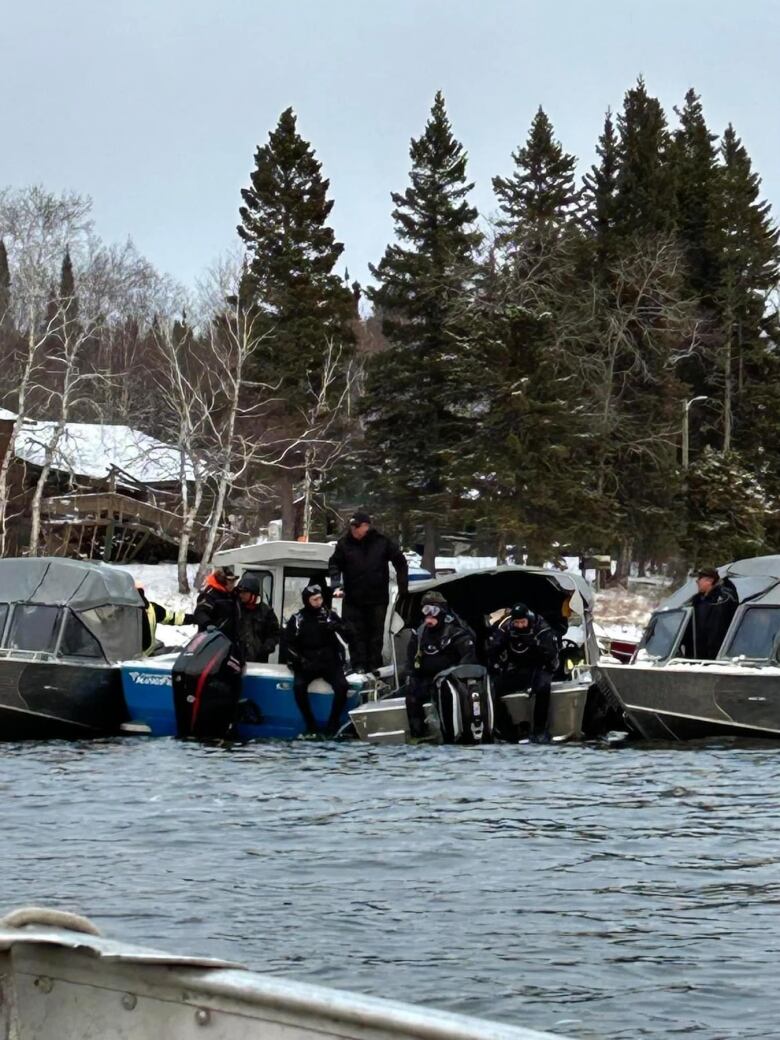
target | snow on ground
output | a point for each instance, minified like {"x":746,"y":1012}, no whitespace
{"x":620,"y":613}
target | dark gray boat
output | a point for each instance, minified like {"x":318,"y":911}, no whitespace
{"x":666,"y":695}
{"x":64,"y":627}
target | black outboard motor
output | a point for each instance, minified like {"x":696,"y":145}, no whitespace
{"x":206,"y":685}
{"x":464,"y":703}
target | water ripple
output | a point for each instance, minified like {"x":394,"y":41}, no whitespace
{"x":599,"y":893}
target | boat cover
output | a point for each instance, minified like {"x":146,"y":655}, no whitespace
{"x":104,"y":597}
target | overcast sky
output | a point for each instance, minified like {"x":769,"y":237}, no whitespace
{"x":155,"y":107}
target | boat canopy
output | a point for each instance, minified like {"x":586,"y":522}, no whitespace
{"x":103,"y":598}
{"x":279,"y":553}
{"x":483,"y":591}
{"x":756,"y":579}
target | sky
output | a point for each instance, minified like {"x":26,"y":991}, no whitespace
{"x":154,"y":108}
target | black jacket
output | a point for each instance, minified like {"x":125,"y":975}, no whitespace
{"x":218,"y":607}
{"x":432,"y":649}
{"x":362,"y":568}
{"x":258,"y":632}
{"x":511,"y":649}
{"x":712,"y":614}
{"x":311,"y":640}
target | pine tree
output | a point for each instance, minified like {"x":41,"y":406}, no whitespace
{"x":415,"y":427}
{"x":694,"y":158}
{"x":749,"y":266}
{"x":68,"y":301}
{"x":6,"y":314}
{"x":645,"y":202}
{"x":292,"y":253}
{"x":540,"y":197}
{"x":297,"y":299}
{"x":600,"y":196}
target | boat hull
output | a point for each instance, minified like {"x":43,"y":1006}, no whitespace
{"x":60,"y":984}
{"x":386,"y":721}
{"x":45,"y":700}
{"x":694,"y":702}
{"x":267,"y":709}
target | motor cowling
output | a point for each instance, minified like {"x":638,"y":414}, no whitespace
{"x":206,"y":680}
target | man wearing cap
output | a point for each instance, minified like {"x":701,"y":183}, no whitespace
{"x":713,"y":605}
{"x":218,"y":605}
{"x":442,"y":641}
{"x":359,"y":571}
{"x":523,"y":654}
{"x":314,"y":650}
{"x":259,"y":625}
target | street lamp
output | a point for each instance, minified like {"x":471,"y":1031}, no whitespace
{"x":686,"y":409}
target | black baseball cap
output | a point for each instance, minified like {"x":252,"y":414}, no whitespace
{"x":359,"y":517}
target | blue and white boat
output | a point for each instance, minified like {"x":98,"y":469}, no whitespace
{"x":267,"y":708}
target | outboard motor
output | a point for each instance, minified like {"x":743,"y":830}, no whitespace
{"x":464,"y":703}
{"x":206,"y":685}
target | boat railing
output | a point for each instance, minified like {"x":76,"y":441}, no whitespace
{"x":11,"y":654}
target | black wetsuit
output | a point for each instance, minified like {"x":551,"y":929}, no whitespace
{"x":314,"y":651}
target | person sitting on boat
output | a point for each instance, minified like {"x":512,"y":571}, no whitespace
{"x":155,"y":614}
{"x":442,"y":641}
{"x":714,"y":606}
{"x":314,"y":649}
{"x":259,"y":625}
{"x":218,"y":605}
{"x":523,"y":654}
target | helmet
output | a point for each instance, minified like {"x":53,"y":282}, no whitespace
{"x":433,"y":598}
{"x":520,"y":610}
{"x":249,"y":583}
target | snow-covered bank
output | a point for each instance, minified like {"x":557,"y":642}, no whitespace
{"x":620,"y":613}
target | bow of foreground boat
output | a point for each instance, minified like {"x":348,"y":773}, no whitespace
{"x":61,"y":980}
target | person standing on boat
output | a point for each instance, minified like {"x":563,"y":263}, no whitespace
{"x":314,"y":649}
{"x":714,"y":606}
{"x":360,"y":573}
{"x":523,"y":654}
{"x":218,"y":605}
{"x":155,"y":614}
{"x":442,"y":641}
{"x":259,"y":625}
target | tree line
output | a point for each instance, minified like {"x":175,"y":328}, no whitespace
{"x":590,"y":368}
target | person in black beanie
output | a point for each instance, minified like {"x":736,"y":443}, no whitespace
{"x":360,"y":573}
{"x":523,"y":652}
{"x":314,"y":650}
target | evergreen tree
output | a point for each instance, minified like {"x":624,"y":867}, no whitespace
{"x":540,"y":196}
{"x":600,"y":196}
{"x":645,"y":201}
{"x":68,"y":301}
{"x":297,"y":299}
{"x":6,"y":314}
{"x":696,"y":177}
{"x":749,"y":267}
{"x":415,"y":425}
{"x":292,"y":252}
{"x":727,"y":508}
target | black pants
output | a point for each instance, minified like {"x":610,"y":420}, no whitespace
{"x":367,"y":633}
{"x":419,"y":691}
{"x":333,"y":674}
{"x":538,"y":681}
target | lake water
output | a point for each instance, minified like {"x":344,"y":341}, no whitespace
{"x":611,"y":893}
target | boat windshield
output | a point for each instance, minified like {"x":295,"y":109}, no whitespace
{"x":758,"y":634}
{"x":33,"y":627}
{"x":662,"y":633}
